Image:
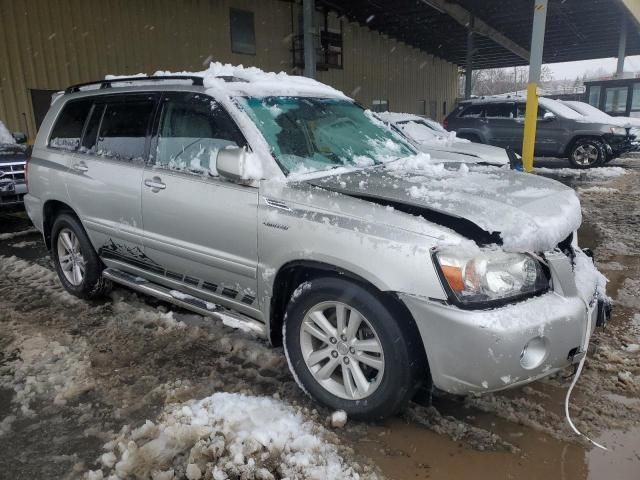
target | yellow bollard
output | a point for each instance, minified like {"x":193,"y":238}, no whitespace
{"x":530,"y":123}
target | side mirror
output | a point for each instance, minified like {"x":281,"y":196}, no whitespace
{"x":235,"y":164}
{"x":548,"y":116}
{"x":20,"y":137}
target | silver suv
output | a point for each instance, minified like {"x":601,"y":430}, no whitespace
{"x":561,"y":131}
{"x":279,"y":201}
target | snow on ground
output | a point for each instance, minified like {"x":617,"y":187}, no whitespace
{"x":227,"y":435}
{"x":10,"y":235}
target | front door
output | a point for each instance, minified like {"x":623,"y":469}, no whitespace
{"x":105,"y":175}
{"x":549,"y":133}
{"x":501,"y":123}
{"x":200,"y":228}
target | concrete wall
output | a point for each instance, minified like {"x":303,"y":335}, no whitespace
{"x":50,"y":45}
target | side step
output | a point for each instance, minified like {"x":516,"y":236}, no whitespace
{"x":185,"y":300}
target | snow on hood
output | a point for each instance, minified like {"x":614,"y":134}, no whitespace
{"x":530,"y":213}
{"x":5,"y":135}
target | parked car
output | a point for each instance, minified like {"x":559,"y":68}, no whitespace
{"x":631,"y":124}
{"x":281,"y":202}
{"x":430,"y":137}
{"x":561,"y":131}
{"x":13,"y":156}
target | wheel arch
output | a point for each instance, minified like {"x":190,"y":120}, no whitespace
{"x":50,"y":210}
{"x":295,"y":272}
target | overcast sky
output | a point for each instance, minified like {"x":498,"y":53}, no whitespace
{"x":574,"y":69}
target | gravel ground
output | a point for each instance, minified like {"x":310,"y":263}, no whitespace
{"x":79,"y":381}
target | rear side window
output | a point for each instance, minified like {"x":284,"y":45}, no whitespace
{"x":473,"y":111}
{"x":67,"y":131}
{"x":121,"y":125}
{"x":499,"y":110}
{"x":193,"y":128}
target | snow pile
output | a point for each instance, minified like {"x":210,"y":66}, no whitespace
{"x":601,"y":173}
{"x":5,"y":135}
{"x":598,"y":190}
{"x":226,"y":435}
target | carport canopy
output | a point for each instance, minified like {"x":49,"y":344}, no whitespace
{"x":575,"y":30}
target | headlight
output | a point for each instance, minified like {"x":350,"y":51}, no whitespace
{"x":490,"y":278}
{"x":618,"y":131}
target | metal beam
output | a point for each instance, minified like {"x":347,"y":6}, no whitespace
{"x":535,"y":67}
{"x":469,"y":66}
{"x":464,"y":17}
{"x":622,"y":46}
{"x":309,"y":8}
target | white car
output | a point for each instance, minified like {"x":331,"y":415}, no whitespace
{"x":430,"y":137}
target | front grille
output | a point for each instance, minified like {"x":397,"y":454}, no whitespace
{"x":12,"y":171}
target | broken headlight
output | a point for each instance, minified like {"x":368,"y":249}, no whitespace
{"x":490,"y":278}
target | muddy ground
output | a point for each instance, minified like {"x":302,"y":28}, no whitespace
{"x":74,"y":374}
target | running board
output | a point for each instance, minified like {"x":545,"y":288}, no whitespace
{"x":185,"y":300}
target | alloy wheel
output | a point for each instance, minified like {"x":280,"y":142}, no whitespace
{"x":585,"y":155}
{"x":70,"y":257}
{"x":342,"y":350}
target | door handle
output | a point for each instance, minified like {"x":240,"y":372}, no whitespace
{"x":155,"y":184}
{"x":80,"y":167}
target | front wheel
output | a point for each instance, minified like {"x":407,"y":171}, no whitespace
{"x":587,"y":153}
{"x":349,"y":351}
{"x":75,"y":260}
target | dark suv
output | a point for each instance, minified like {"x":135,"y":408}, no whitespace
{"x":13,"y":157}
{"x":561,"y":131}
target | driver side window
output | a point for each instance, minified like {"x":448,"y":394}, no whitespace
{"x":193,"y":128}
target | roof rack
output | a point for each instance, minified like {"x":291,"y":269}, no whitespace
{"x":198,"y":81}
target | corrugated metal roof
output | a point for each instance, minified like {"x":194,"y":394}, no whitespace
{"x":576,"y":29}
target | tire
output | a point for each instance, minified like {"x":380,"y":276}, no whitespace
{"x":68,"y":236}
{"x":400,"y":364}
{"x":587,"y":153}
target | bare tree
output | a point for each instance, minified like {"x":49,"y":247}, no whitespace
{"x":496,"y":81}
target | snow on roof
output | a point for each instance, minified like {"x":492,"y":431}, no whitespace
{"x":5,"y":135}
{"x":251,"y":81}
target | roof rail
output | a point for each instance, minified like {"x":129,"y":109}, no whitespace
{"x":107,"y":83}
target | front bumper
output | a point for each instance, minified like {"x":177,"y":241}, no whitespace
{"x":488,"y":350}
{"x":12,"y":193}
{"x":619,"y":144}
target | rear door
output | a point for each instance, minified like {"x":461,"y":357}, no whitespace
{"x":201,"y":229}
{"x":105,"y":175}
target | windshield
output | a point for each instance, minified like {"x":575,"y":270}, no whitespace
{"x":311,"y":134}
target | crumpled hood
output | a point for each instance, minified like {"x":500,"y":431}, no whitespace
{"x":466,"y":152}
{"x":527,"y":212}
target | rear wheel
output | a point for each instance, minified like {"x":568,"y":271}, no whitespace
{"x":349,"y":351}
{"x":75,"y":260}
{"x":587,"y":153}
